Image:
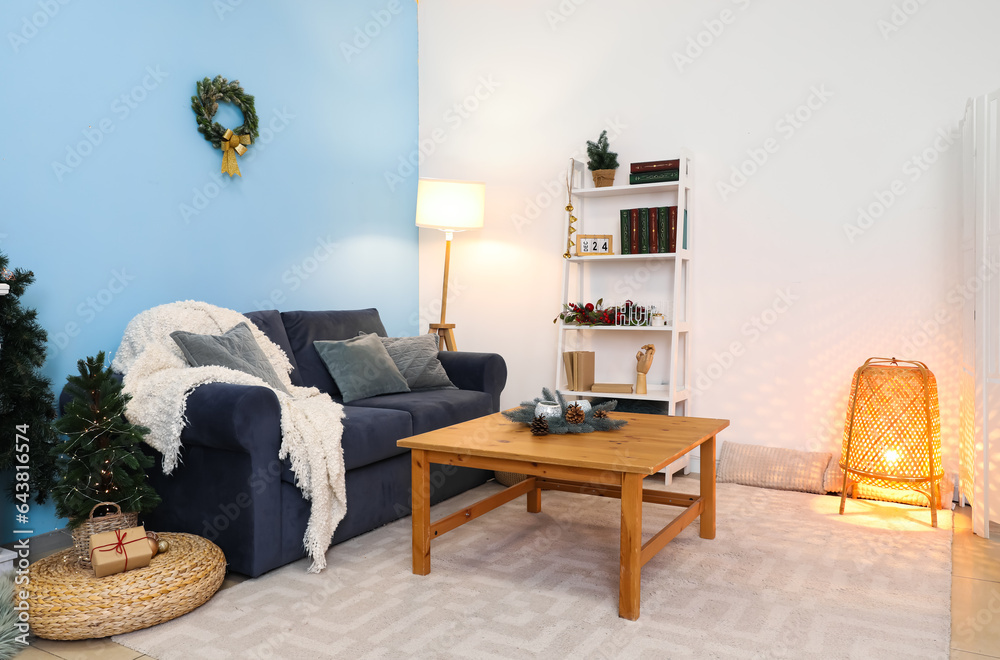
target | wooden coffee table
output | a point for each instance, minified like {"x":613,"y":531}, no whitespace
{"x":610,"y":464}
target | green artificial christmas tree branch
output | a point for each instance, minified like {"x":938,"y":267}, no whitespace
{"x":27,"y":406}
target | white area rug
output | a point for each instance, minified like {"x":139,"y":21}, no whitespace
{"x":785,"y":577}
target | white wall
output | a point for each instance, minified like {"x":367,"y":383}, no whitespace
{"x":550,"y":75}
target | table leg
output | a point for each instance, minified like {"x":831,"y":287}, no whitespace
{"x":631,"y":547}
{"x":534,"y":500}
{"x":708,"y":488}
{"x":420,"y":476}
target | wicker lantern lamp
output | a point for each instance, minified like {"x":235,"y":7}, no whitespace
{"x":892,"y":434}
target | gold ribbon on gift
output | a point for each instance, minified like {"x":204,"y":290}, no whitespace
{"x":233,"y":145}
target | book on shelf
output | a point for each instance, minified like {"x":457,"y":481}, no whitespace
{"x":684,"y":238}
{"x":633,"y":231}
{"x":655,"y":166}
{"x":662,"y":226}
{"x":579,"y":370}
{"x":654,"y":230}
{"x":611,"y":388}
{"x":585,"y":374}
{"x":644,"y":231}
{"x":625,"y":243}
{"x":672,"y":229}
{"x":654,"y":177}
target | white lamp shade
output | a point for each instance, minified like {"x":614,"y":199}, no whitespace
{"x":450,"y":205}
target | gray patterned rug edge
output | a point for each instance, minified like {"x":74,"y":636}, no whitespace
{"x":785,"y":577}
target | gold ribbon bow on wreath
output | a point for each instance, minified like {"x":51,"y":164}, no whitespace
{"x":206,"y":102}
{"x":233,"y":145}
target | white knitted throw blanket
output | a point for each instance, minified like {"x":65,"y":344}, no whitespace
{"x":159,"y":379}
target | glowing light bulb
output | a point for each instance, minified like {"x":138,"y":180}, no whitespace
{"x":891,"y":455}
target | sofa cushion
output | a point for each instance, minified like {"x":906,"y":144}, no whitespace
{"x":269,"y":322}
{"x":370,"y":435}
{"x":434,"y":409}
{"x":361,"y":367}
{"x":417,"y":359}
{"x":234,"y":349}
{"x":303,"y":328}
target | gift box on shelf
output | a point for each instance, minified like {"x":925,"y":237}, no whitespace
{"x":119,"y":550}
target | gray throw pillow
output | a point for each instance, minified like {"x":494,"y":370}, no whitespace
{"x":235,"y":349}
{"x":417,"y":359}
{"x":361,"y":367}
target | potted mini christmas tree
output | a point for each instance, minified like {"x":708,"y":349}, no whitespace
{"x":601,"y":161}
{"x":100,"y":459}
{"x":27,"y":406}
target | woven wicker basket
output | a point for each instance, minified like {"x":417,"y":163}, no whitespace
{"x":68,"y":602}
{"x":91,"y":526}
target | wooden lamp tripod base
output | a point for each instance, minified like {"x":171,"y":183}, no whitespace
{"x":446,"y":331}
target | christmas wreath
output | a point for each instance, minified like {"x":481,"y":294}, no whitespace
{"x":232,"y":142}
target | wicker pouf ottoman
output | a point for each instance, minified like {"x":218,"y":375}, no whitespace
{"x":68,"y":602}
{"x":509,"y":478}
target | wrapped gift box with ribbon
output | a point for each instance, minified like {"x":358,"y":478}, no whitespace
{"x":119,"y":551}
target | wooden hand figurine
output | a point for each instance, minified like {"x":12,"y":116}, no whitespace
{"x":644,"y":360}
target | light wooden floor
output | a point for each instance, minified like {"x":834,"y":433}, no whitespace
{"x":975,"y":591}
{"x":975,"y":605}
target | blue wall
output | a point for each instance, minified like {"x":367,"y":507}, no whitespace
{"x":115,"y":201}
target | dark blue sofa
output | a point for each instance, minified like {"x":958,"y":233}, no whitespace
{"x":231,"y":488}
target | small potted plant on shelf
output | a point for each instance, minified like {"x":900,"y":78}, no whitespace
{"x":601,"y":161}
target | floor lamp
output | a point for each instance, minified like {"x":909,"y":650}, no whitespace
{"x":892,"y":434}
{"x":450,"y":206}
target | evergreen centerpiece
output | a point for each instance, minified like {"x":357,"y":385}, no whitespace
{"x":100,"y":459}
{"x":27,"y":406}
{"x":572,"y":420}
{"x":601,"y":161}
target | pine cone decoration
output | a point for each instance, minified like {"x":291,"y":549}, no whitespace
{"x":575,"y":414}
{"x":600,"y":414}
{"x":540,"y":426}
